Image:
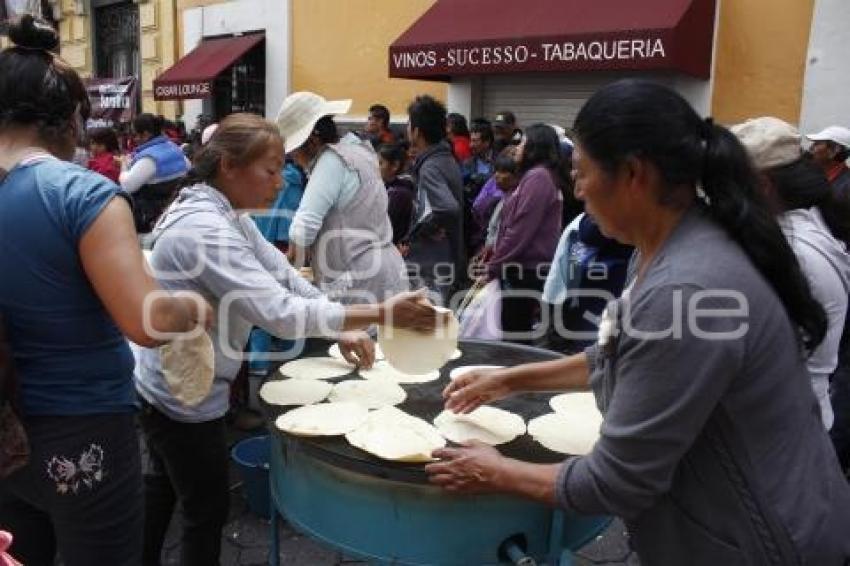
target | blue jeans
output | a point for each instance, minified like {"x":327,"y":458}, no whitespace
{"x":261,"y":344}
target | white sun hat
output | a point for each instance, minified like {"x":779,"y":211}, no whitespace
{"x":299,"y":113}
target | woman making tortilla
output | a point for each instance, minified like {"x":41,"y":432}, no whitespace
{"x":203,"y":243}
{"x":342,"y":219}
{"x":712,"y":449}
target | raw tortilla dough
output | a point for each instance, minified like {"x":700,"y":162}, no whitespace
{"x":463,"y":369}
{"x":295,"y":391}
{"x":372,"y":394}
{"x":566,"y":403}
{"x":324,"y":419}
{"x":188,"y":366}
{"x":416,"y":353}
{"x":391,"y":434}
{"x":489,"y":425}
{"x":383,"y":371}
{"x":315,"y":368}
{"x":573,"y":433}
{"x":334,"y":352}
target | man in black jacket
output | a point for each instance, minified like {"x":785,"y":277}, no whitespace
{"x":437,"y":251}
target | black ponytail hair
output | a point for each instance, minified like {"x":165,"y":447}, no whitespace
{"x":147,"y":123}
{"x":393,"y":153}
{"x":37,"y":88}
{"x":542,"y":147}
{"x":802,"y":184}
{"x":326,"y":130}
{"x":644,"y":120}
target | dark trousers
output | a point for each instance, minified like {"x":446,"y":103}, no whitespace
{"x":187,"y":464}
{"x":80,"y":493}
{"x":150,"y":201}
{"x":521,"y":303}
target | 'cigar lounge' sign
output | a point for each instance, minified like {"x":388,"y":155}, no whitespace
{"x":182,"y":90}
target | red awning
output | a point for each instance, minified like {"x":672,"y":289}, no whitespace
{"x":193,"y":75}
{"x":464,"y":37}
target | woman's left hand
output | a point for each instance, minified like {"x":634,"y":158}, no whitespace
{"x":473,"y":468}
{"x":357,"y":348}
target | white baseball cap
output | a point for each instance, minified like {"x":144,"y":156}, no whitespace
{"x":299,"y":113}
{"x":836,"y":134}
{"x":770,"y":141}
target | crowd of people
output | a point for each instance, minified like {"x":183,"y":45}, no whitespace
{"x":718,"y":444}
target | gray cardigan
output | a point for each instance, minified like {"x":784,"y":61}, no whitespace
{"x":712,"y":449}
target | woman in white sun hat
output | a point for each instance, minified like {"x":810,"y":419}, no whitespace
{"x":342,"y":219}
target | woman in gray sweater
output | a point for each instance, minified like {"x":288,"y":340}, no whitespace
{"x":712,"y":449}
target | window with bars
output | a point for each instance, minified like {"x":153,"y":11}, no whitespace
{"x":116,"y":30}
{"x":242,"y":86}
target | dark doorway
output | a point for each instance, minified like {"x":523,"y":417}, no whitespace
{"x":116,"y":31}
{"x":242,"y":86}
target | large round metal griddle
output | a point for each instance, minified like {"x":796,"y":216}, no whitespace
{"x":425,"y":401}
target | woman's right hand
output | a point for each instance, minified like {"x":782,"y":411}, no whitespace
{"x":474,"y":388}
{"x":412,"y":310}
{"x":200,"y":313}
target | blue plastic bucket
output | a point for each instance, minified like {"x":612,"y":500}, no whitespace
{"x":252,"y":460}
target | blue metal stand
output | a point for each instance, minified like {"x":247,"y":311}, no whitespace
{"x":274,"y":551}
{"x":388,"y":522}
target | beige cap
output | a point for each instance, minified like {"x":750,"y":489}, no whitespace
{"x":299,"y":113}
{"x":770,"y":141}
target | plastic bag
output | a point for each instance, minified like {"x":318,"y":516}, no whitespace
{"x":482,"y":317}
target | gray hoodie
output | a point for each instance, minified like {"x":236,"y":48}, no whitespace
{"x":826,"y":265}
{"x":202,"y":244}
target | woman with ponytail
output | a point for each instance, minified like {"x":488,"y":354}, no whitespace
{"x":712,"y":448}
{"x":206,"y":242}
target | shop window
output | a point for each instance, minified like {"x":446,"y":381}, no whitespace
{"x":242,"y":86}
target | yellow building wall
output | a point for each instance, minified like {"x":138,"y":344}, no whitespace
{"x":340,"y":50}
{"x":158,"y":43}
{"x":760,"y":59}
{"x":158,"y":48}
{"x":75,"y":38}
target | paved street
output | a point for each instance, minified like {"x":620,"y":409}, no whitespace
{"x":246,"y":543}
